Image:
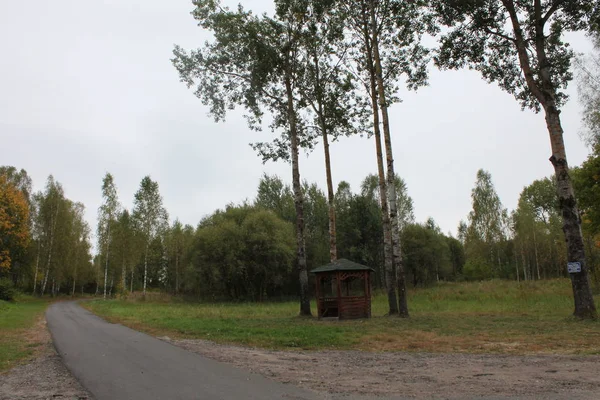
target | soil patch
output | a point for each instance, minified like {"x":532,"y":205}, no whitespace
{"x":416,"y":375}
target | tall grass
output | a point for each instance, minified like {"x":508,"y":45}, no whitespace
{"x":494,"y":316}
{"x":16,"y":321}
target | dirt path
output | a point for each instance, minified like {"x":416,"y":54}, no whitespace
{"x":418,"y":375}
{"x":44,"y":377}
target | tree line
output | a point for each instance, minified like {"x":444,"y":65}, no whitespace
{"x":246,"y":252}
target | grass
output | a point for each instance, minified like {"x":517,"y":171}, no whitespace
{"x":487,"y":317}
{"x":17,"y":330}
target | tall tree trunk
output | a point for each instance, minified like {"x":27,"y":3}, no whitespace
{"x":176,"y":274}
{"x":391,"y":176}
{"x":52,"y":233}
{"x":73,"y":291}
{"x":330,"y":195}
{"x":112,"y":280}
{"x":131,"y":283}
{"x":535,"y":249}
{"x":544,"y":89}
{"x":298,"y":202}
{"x":390,"y":281}
{"x":145,"y":270}
{"x":124,"y":275}
{"x":582,"y":292}
{"x":517,"y":265}
{"x":37,"y":264}
{"x":107,"y":251}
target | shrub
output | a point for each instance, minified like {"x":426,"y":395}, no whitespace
{"x":477,"y":270}
{"x":7,"y":290}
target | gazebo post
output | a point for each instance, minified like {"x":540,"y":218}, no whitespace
{"x":319,"y":307}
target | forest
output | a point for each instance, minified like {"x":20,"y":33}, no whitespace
{"x":316,"y":72}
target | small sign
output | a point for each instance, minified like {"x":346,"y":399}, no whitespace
{"x":574,"y":267}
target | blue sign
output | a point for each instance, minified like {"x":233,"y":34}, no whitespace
{"x":574,"y":267}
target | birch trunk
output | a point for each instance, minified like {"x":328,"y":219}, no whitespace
{"x":37,"y":264}
{"x":535,"y":250}
{"x":176,"y":274}
{"x":330,"y":196}
{"x":391,"y":176}
{"x":582,"y":292}
{"x":124,"y":275}
{"x":145,"y":270}
{"x":298,"y":201}
{"x":390,"y":281}
{"x":544,"y":89}
{"x":107,"y":251}
{"x":131,"y":283}
{"x":52,"y":233}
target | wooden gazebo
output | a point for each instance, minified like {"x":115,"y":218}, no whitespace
{"x":343,"y":290}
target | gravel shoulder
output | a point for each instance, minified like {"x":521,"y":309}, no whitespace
{"x":43,"y":377}
{"x":416,"y":375}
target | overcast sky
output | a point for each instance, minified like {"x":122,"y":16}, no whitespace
{"x":87,"y":87}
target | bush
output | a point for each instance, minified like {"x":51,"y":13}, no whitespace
{"x":7,"y":290}
{"x":477,"y":270}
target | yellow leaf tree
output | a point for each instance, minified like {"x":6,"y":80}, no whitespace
{"x":14,"y":232}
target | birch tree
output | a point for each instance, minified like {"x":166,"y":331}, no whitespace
{"x":520,"y":45}
{"x":149,"y":217}
{"x":107,"y":215}
{"x":253,"y":63}
{"x":388,"y":38}
{"x":587,"y":69}
{"x":52,"y":200}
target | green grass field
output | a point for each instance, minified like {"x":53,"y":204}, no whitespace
{"x":17,"y":326}
{"x":490,"y":317}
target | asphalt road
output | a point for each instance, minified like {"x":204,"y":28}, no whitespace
{"x":117,"y":363}
{"x":114,"y":362}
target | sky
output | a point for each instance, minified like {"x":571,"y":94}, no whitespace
{"x":87,"y":87}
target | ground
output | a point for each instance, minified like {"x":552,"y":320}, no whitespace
{"x":418,"y":375}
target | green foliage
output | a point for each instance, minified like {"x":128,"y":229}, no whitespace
{"x":243,"y":253}
{"x":426,"y":254}
{"x":485,"y":235}
{"x":477,"y":270}
{"x":7,"y":290}
{"x":504,"y":40}
{"x":587,"y":68}
{"x":586,"y":181}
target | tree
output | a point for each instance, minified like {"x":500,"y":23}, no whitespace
{"x":253,"y":63}
{"x":243,"y":252}
{"x":107,"y":215}
{"x":149,"y":217}
{"x":485,"y":230}
{"x":127,"y":246}
{"x":325,"y":84}
{"x":520,"y":45}
{"x":14,"y":223}
{"x":51,"y":202}
{"x":387,"y":34}
{"x":587,"y":69}
{"x":426,"y":253}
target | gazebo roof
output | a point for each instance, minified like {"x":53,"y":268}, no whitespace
{"x":342,"y":265}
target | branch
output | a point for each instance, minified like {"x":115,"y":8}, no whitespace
{"x":553,"y":8}
{"x":503,"y":36}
